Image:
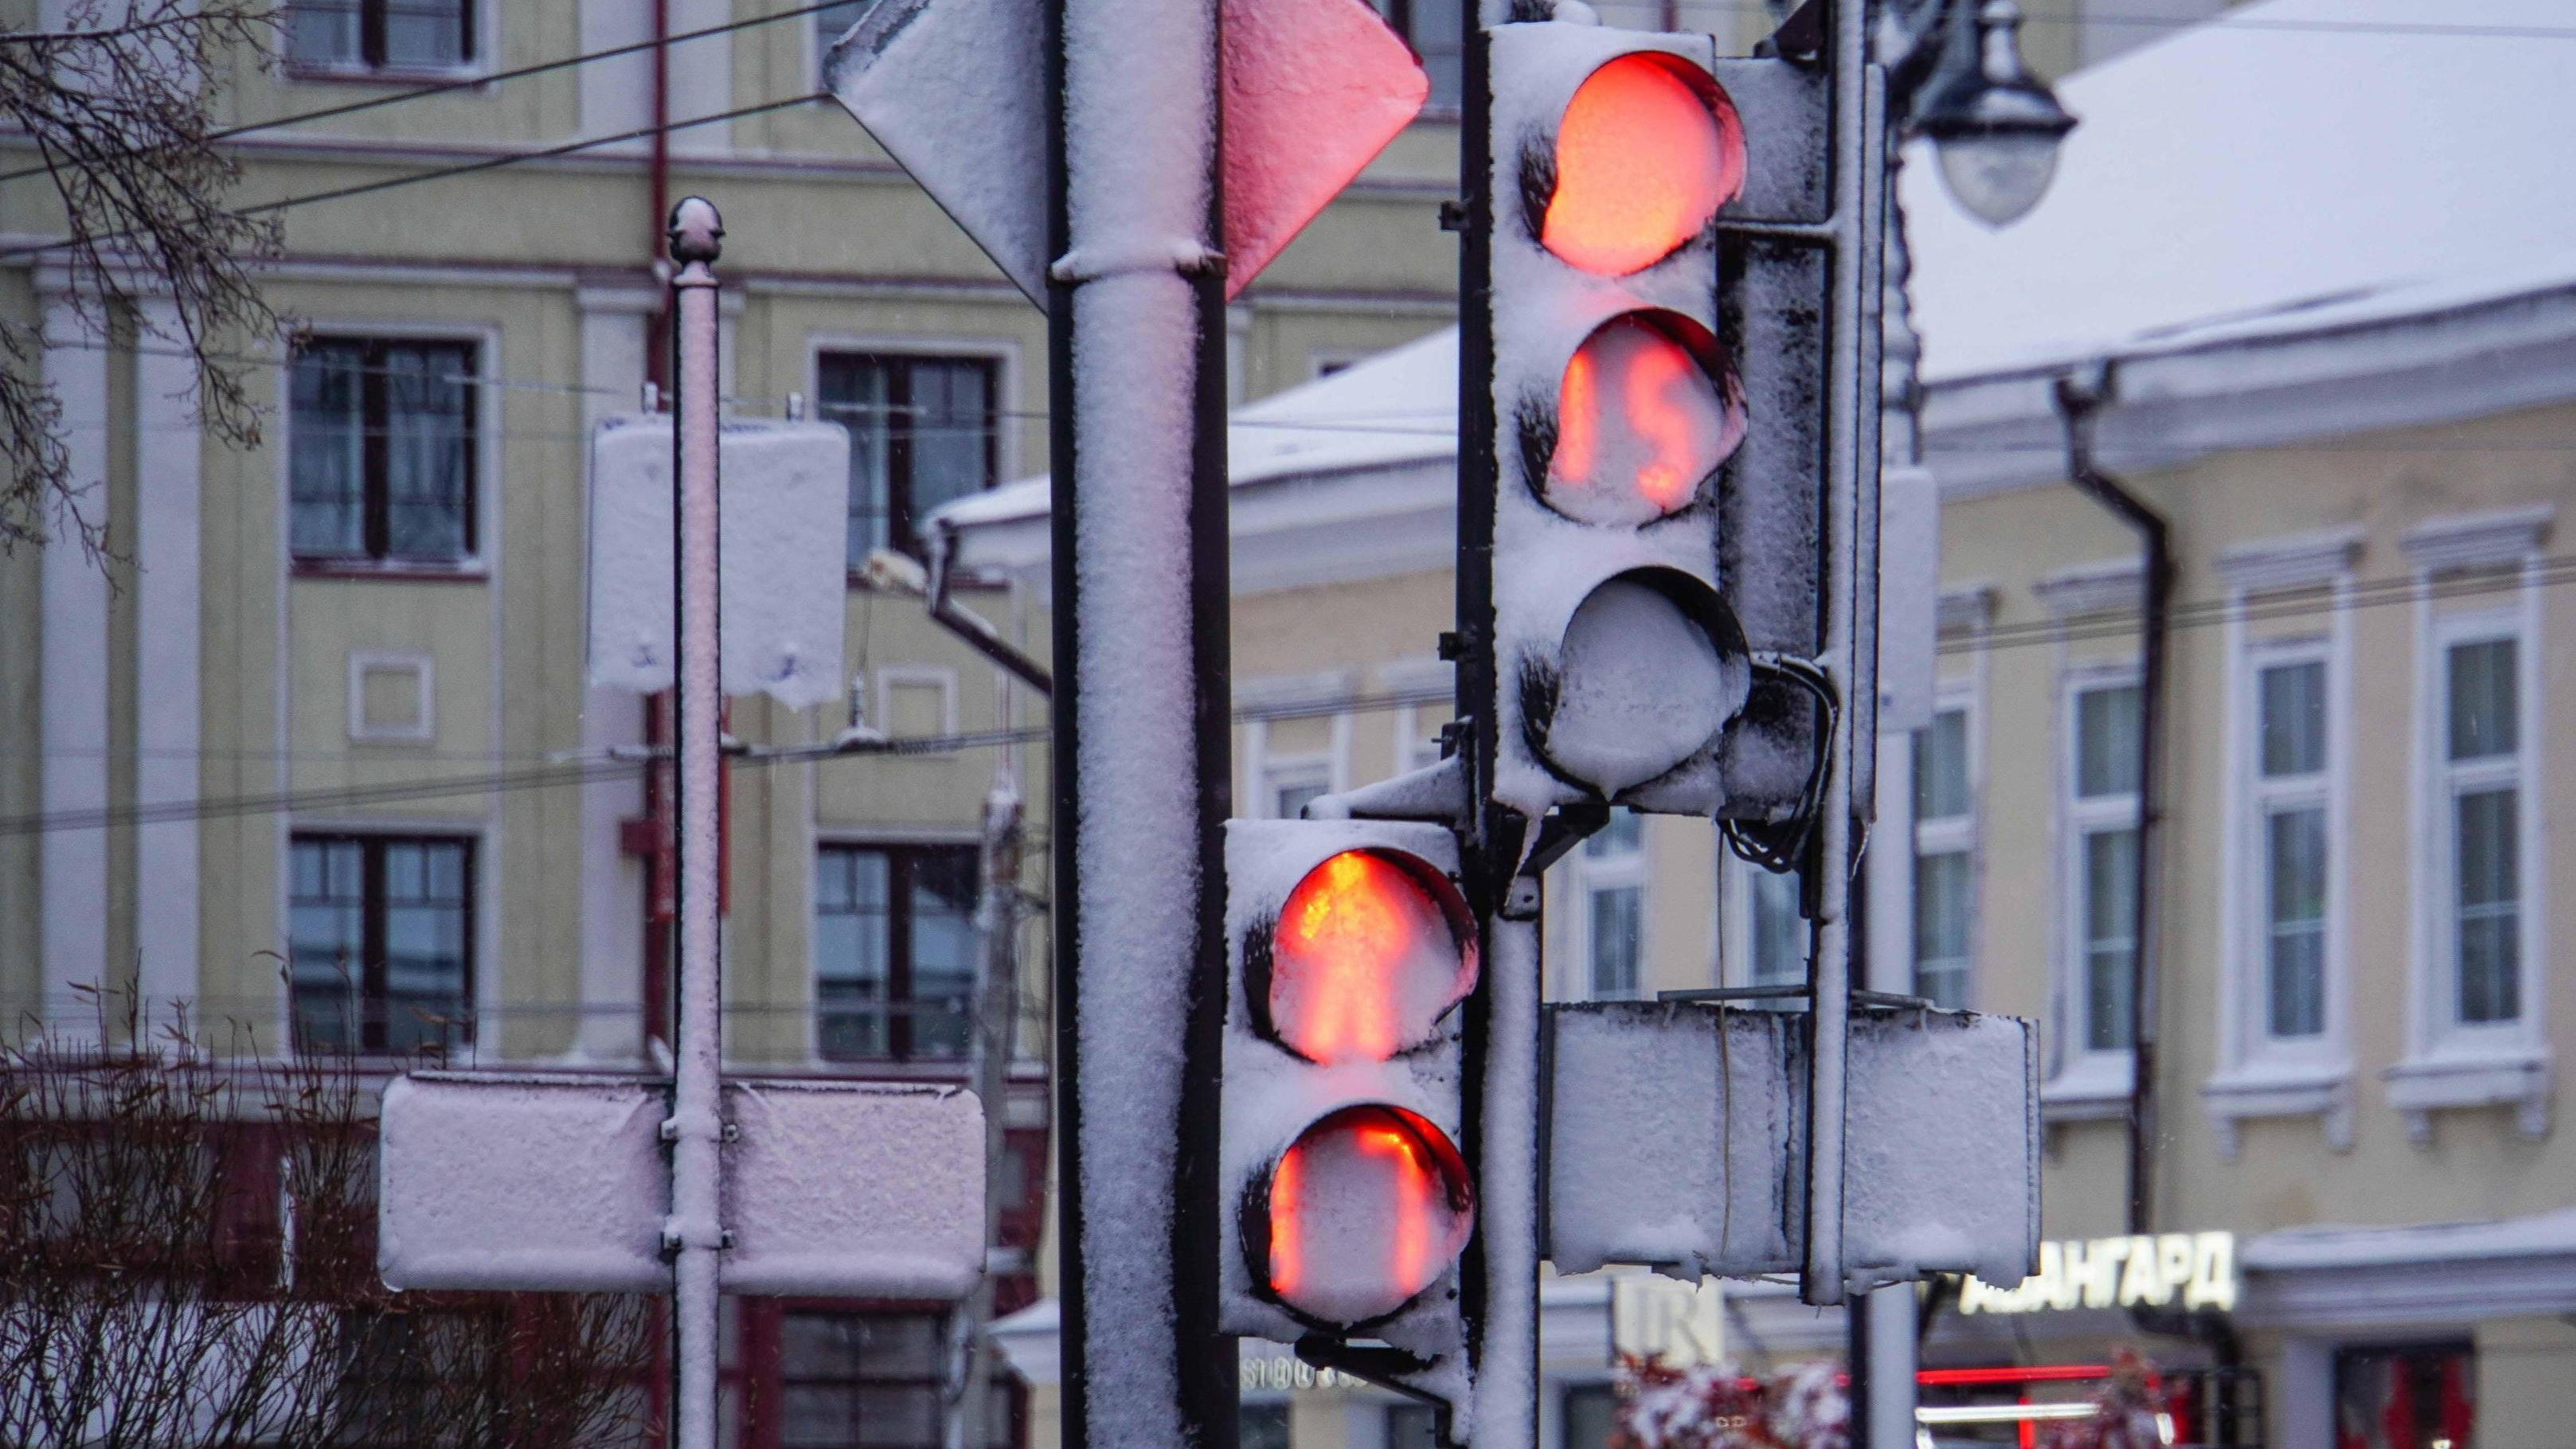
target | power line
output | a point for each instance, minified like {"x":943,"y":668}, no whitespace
{"x":476,"y":82}
{"x":586,"y":772}
{"x":2544,"y":573}
{"x":466,"y":168}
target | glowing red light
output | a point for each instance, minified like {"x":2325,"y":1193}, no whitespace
{"x":1643,"y":160}
{"x":1366,"y":959}
{"x":1640,"y":422}
{"x":1366,"y":1210}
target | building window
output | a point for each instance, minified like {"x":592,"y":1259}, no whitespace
{"x":2411,"y":1396}
{"x":1591,"y":1417}
{"x":381,"y":34}
{"x":1292,"y":784}
{"x":1944,"y":873}
{"x":382,"y":453}
{"x":894,"y":952}
{"x":1412,"y":1426}
{"x":1432,"y":28}
{"x":923,"y":432}
{"x":1613,"y":875}
{"x":1262,"y":1424}
{"x":2290,"y":810}
{"x":859,"y":1380}
{"x":1777,"y":930}
{"x":2481,"y":770}
{"x":2105,"y":867}
{"x":381,"y":942}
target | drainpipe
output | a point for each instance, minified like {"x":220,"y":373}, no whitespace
{"x":2080,"y":396}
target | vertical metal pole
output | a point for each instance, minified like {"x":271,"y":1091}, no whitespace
{"x":997,"y":924}
{"x":1858,"y":103}
{"x":1136,"y":332}
{"x":692,"y":1234}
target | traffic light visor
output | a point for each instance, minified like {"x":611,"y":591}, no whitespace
{"x":1372,"y":948}
{"x":1644,"y":416}
{"x":1646,"y":153}
{"x":1367,"y":1209}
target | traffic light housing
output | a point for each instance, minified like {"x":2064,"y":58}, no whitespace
{"x":1656,"y":399}
{"x":1345,"y":1202}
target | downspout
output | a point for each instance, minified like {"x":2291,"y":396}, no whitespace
{"x":2080,"y":396}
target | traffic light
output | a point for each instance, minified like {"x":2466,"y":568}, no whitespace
{"x":1618,"y":661}
{"x":1632,"y":466}
{"x":1345,"y":1200}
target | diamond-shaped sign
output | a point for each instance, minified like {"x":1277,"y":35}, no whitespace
{"x":1312,"y":91}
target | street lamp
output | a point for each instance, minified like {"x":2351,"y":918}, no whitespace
{"x":1994,"y":127}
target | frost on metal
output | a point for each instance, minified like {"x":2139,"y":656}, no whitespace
{"x":844,"y":1189}
{"x":1312,"y":91}
{"x":1677,"y":1133}
{"x":1941,"y":1146}
{"x":1576,"y":725}
{"x":521,"y":1183}
{"x":785,"y":505}
{"x":538,"y":1182}
{"x":952,"y":90}
{"x":1671,"y":1135}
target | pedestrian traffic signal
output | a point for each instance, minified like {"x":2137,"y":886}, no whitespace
{"x":1347,"y":1202}
{"x":1618,"y":659}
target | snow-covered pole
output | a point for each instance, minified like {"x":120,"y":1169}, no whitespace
{"x":692,"y":1235}
{"x":997,"y":930}
{"x":1136,"y":329}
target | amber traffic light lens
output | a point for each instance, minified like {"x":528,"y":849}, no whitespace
{"x":1371,"y":949}
{"x":1640,"y":422}
{"x":1645,"y":155}
{"x":1367,"y":1208}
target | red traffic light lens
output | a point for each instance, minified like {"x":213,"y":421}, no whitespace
{"x":1367,"y":1208}
{"x":1372,"y":949}
{"x":1645,"y":155}
{"x":1640,"y":422}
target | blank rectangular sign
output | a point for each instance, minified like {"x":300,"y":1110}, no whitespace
{"x":561,"y":1183}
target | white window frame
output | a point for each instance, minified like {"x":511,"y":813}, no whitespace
{"x":854,"y":837}
{"x":1948,"y":834}
{"x":485,"y":19}
{"x":1326,"y":694}
{"x":1737,"y":879}
{"x":2083,"y":1077}
{"x":2449,"y":1063}
{"x":1593,"y":874}
{"x":2260,"y":1075}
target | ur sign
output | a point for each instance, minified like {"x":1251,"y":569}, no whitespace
{"x":1640,"y":422}
{"x":1370,"y":952}
{"x":1367,"y":1208}
{"x":1645,"y":156}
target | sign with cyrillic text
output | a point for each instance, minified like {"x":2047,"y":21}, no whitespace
{"x":2179,"y":1270}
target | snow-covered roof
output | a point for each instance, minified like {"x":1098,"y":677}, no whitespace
{"x":2287,"y":157}
{"x":1398,"y":407}
{"x":2328,"y":1246}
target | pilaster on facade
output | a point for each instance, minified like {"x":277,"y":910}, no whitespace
{"x":73,"y":733}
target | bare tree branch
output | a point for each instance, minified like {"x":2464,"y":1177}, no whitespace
{"x":120,"y":109}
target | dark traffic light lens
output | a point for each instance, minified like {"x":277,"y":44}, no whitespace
{"x":1640,"y":422}
{"x":1646,"y":154}
{"x":1371,"y":950}
{"x":1367,"y":1208}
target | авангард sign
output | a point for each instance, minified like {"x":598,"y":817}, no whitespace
{"x":2189,"y":1270}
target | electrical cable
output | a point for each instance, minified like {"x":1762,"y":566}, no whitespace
{"x":1778,"y":846}
{"x":478,"y":82}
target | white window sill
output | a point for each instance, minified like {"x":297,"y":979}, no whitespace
{"x":2272,"y":1089}
{"x":2520,"y":1079}
{"x":2091,"y":1088}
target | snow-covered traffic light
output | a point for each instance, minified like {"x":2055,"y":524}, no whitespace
{"x":1345,"y":1200}
{"x":1618,"y":659}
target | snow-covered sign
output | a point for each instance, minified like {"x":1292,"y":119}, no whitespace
{"x":784,"y":561}
{"x":1674,"y":1127}
{"x":558,"y":1183}
{"x":1312,"y":90}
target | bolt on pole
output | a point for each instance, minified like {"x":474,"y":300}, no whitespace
{"x":693,"y":1234}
